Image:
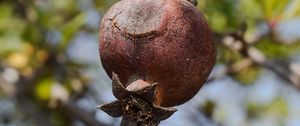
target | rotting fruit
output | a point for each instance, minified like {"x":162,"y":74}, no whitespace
{"x":167,"y":42}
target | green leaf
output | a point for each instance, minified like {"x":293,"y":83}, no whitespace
{"x":43,"y":89}
{"x":248,"y":75}
{"x":250,"y":10}
{"x":276,"y":108}
{"x":11,"y":24}
{"x":11,"y":42}
{"x":70,"y":28}
{"x":228,"y":56}
{"x":280,"y":7}
{"x":32,"y":34}
{"x":103,"y":5}
{"x":58,"y":118}
{"x":275,"y":50}
{"x":293,"y":10}
{"x":222,"y":15}
{"x":61,"y":4}
{"x":5,"y":11}
{"x":273,"y":8}
{"x":218,"y":22}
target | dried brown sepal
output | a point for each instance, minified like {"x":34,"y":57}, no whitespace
{"x":113,"y":109}
{"x":118,"y":89}
{"x":147,"y":93}
{"x":162,"y":112}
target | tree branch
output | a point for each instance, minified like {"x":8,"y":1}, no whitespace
{"x":283,"y":71}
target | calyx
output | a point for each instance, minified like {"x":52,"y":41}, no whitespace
{"x":136,"y":106}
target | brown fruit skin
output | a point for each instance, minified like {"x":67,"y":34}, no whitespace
{"x":159,"y":41}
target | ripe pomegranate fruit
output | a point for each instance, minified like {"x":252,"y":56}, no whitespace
{"x":167,"y":42}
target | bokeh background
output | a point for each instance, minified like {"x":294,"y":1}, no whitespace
{"x":51,"y":74}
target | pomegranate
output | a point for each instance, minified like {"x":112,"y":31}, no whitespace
{"x":167,"y":42}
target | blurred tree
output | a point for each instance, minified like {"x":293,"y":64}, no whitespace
{"x":47,"y":78}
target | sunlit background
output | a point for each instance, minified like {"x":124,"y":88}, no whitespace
{"x":51,"y":74}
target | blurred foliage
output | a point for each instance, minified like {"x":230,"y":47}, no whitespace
{"x":277,"y":50}
{"x":277,"y":108}
{"x":37,"y":34}
{"x":208,"y":108}
{"x":248,"y":75}
{"x":226,"y":16}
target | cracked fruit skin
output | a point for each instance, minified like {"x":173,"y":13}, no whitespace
{"x":159,"y":41}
